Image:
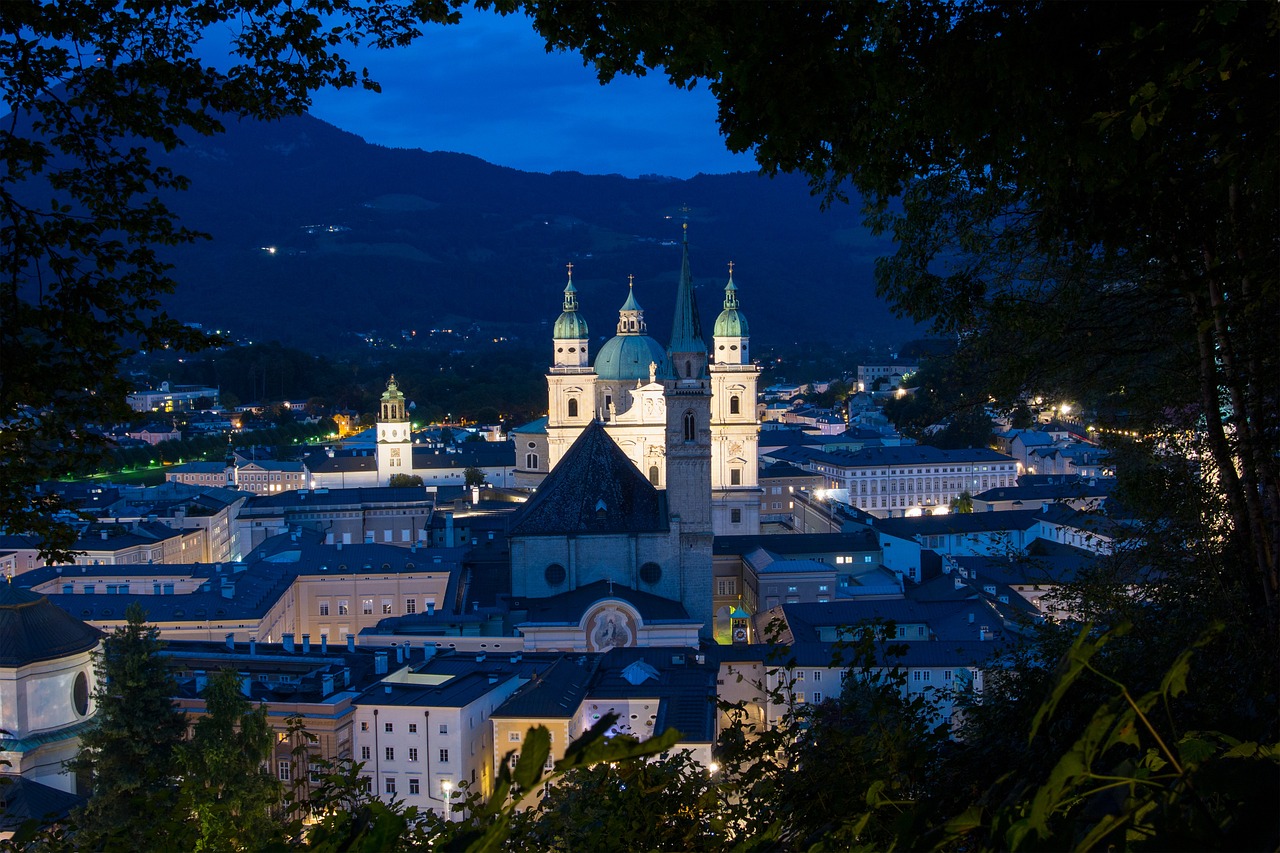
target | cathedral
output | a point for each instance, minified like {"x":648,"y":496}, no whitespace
{"x":657,"y":403}
{"x":645,"y":455}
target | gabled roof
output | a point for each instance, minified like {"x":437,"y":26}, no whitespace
{"x":595,"y":489}
{"x":569,"y":607}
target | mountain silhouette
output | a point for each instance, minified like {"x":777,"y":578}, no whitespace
{"x":316,"y":232}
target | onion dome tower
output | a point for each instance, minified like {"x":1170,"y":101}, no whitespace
{"x":570,"y":337}
{"x":730,"y":335}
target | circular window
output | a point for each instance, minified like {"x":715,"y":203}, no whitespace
{"x":555,"y":574}
{"x":80,"y":694}
{"x":559,"y":349}
{"x":573,"y":349}
{"x":651,"y":573}
{"x":722,"y":346}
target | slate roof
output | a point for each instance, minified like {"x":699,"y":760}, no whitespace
{"x":685,"y":689}
{"x":798,"y":543}
{"x":556,"y":691}
{"x":481,"y":454}
{"x":26,"y":799}
{"x":912,"y":454}
{"x":321,"y":463}
{"x":568,"y":607}
{"x":958,"y":522}
{"x":304,"y":498}
{"x":948,"y":621}
{"x":594,"y":489}
{"x":784,"y":469}
{"x":1077,"y":489}
{"x":33,"y":629}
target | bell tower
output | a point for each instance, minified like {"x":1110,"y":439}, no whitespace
{"x":735,"y":427}
{"x":395,"y":442}
{"x":571,"y":382}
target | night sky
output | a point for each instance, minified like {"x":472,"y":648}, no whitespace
{"x":488,"y":87}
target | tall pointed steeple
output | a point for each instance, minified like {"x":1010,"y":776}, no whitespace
{"x":688,"y":349}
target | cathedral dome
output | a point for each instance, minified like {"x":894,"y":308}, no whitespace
{"x":731,"y":323}
{"x":626,"y":358}
{"x":570,"y":326}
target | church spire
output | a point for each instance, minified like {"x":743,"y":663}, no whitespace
{"x":688,"y":349}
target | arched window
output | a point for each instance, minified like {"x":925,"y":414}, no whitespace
{"x":690,"y":427}
{"x":735,"y":405}
{"x":688,"y":370}
{"x":653,"y":474}
{"x":573,"y":408}
{"x":531,"y":462}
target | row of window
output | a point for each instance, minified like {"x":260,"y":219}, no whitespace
{"x":390,"y":728}
{"x":366,"y":607}
{"x":389,"y":753}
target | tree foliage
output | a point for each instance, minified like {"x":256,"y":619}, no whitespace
{"x":130,"y":751}
{"x":1083,"y":193}
{"x":93,"y":88}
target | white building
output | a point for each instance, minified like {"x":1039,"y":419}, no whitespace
{"x":632,"y":384}
{"x":912,"y":480}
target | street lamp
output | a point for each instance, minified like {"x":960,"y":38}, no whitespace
{"x":446,"y":788}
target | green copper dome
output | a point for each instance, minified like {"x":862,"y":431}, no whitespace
{"x":570,"y":325}
{"x":731,"y":323}
{"x":626,"y":358}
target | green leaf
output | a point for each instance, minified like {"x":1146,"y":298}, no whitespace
{"x":1138,"y":126}
{"x":528,"y":769}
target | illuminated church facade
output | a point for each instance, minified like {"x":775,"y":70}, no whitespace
{"x":658,"y":403}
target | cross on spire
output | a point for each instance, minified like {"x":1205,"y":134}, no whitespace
{"x":570,"y":267}
{"x":631,"y":281}
{"x":611,"y":586}
{"x":730,"y":269}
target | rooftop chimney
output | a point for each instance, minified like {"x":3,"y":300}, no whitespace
{"x":324,"y":644}
{"x":253,"y":645}
{"x":326,"y":683}
{"x":231,"y":642}
{"x":287,"y":640}
{"x":351,"y":642}
{"x":380,"y":662}
{"x":306,"y":644}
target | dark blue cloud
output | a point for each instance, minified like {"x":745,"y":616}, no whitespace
{"x":488,"y":87}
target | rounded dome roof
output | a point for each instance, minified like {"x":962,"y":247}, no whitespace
{"x":34,"y":629}
{"x":626,"y":358}
{"x":570,"y":326}
{"x":731,"y":324}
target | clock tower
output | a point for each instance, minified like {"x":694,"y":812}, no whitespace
{"x":395,"y":445}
